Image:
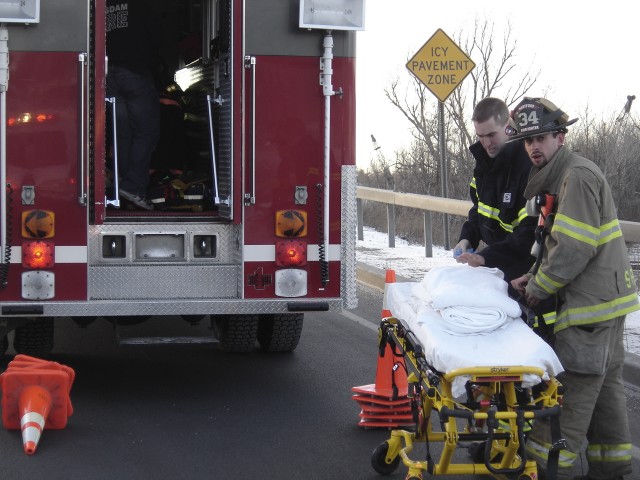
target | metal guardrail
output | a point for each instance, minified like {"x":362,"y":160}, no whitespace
{"x":428,"y":203}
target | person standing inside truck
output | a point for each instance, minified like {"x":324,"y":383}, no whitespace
{"x":584,"y":261}
{"x":498,"y":216}
{"x":133,"y":38}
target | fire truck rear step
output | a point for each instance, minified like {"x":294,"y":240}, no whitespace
{"x":134,"y":334}
{"x":186,"y":340}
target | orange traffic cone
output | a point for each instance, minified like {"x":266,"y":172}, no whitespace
{"x":35,"y":396}
{"x":34,"y":405}
{"x":385,"y":403}
{"x":389,"y":277}
{"x":391,"y":378}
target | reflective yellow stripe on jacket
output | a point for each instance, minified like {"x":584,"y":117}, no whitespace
{"x":493,"y":213}
{"x":549,"y":319}
{"x":583,"y":232}
{"x":599,"y":312}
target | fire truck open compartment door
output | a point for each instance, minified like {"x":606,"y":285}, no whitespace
{"x":194,"y":77}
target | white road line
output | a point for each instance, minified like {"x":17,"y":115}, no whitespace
{"x":355,"y":318}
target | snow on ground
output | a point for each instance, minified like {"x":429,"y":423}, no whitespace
{"x":411,"y":262}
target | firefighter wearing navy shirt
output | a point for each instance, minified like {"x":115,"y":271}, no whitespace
{"x":498,"y":216}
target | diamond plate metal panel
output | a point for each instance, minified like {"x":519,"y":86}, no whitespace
{"x":348,"y":240}
{"x":189,"y":278}
{"x":145,"y":282}
{"x":169,"y":307}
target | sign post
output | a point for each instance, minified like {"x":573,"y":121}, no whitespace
{"x":441,"y":66}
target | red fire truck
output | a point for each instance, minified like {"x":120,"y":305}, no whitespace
{"x":267,"y":94}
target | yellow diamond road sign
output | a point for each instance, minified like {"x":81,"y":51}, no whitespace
{"x":441,"y":65}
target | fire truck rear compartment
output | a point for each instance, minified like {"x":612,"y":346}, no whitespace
{"x":194,"y":150}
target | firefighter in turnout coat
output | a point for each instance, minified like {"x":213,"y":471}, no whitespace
{"x":583,"y":259}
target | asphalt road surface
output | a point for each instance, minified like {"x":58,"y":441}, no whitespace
{"x":192,"y":412}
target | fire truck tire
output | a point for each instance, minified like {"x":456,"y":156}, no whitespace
{"x":280,"y":332}
{"x":4,"y":345}
{"x":83,"y":321}
{"x":236,"y":333}
{"x":34,"y":338}
{"x":192,"y":319}
{"x":129,"y":321}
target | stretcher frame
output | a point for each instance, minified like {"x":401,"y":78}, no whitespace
{"x":495,"y":412}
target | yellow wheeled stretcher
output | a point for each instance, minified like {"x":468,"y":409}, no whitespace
{"x":474,"y":369}
{"x":495,"y":411}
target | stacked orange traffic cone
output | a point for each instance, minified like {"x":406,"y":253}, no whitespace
{"x":35,"y":396}
{"x":389,"y":277}
{"x":385,"y":403}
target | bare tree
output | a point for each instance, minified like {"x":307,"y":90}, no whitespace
{"x":614,"y":145}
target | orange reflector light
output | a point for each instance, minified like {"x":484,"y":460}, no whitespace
{"x":38,"y":224}
{"x":291,"y":253}
{"x":291,"y":223}
{"x":38,"y":254}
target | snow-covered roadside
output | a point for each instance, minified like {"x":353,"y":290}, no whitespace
{"x":409,"y":261}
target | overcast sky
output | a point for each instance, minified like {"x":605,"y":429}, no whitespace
{"x":588,"y":56}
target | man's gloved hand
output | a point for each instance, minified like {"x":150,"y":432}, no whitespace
{"x":462,"y":246}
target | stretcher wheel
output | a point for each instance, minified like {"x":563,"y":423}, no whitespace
{"x":381,"y":463}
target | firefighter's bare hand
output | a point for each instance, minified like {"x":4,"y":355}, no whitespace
{"x":532,"y":301}
{"x":519,"y":284}
{"x":471,"y":259}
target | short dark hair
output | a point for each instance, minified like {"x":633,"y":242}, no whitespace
{"x":491,"y":107}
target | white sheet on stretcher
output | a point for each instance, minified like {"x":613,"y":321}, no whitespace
{"x":511,"y":344}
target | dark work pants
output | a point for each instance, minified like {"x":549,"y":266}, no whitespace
{"x":137,"y":123}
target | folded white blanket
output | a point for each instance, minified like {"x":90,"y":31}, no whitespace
{"x":473,"y":299}
{"x":472,"y":320}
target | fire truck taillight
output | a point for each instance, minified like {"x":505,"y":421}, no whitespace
{"x":38,"y":224}
{"x":291,"y":223}
{"x":291,"y":282}
{"x":38,"y":285}
{"x":38,"y":254}
{"x":291,"y":253}
{"x":27,"y":118}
